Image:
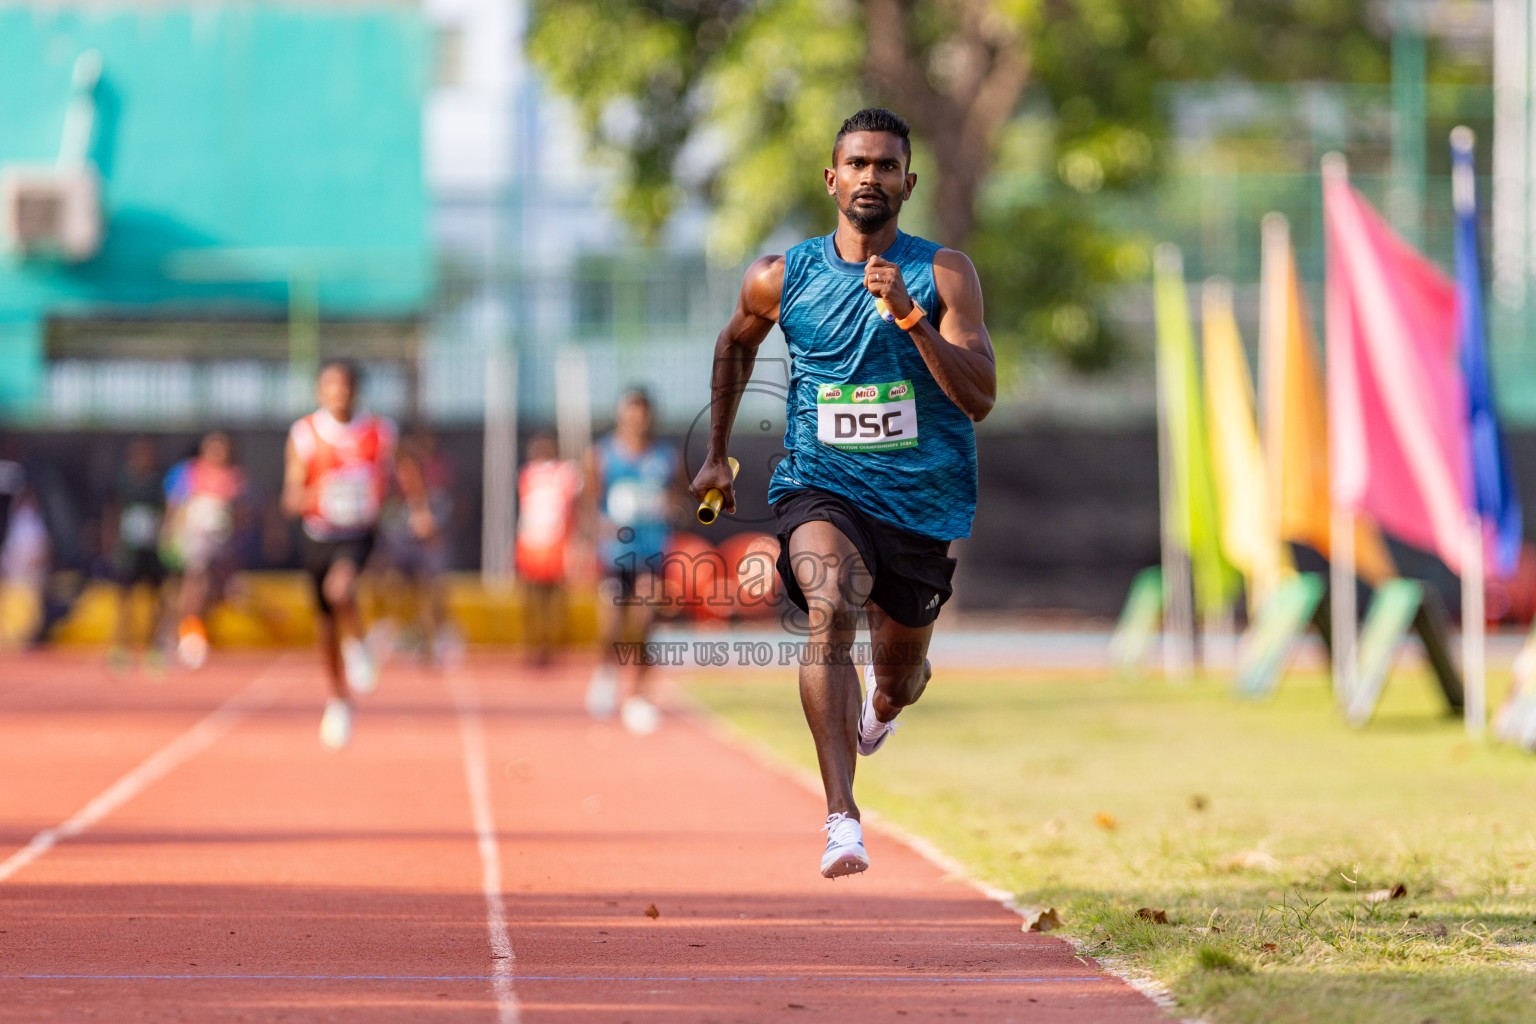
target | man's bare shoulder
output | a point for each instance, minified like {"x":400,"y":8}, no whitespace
{"x":953,"y":261}
{"x":957,"y":284}
{"x":763,"y":285}
{"x":766,"y":270}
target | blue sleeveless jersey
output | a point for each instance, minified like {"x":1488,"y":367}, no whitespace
{"x":634,"y":501}
{"x":842,"y":351}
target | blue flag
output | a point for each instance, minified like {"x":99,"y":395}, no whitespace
{"x":1493,"y":483}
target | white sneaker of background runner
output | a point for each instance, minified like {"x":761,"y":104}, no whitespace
{"x":448,"y":647}
{"x":845,"y":847}
{"x":192,"y":650}
{"x":640,"y":716}
{"x":872,"y":731}
{"x":362,"y":671}
{"x":336,"y":724}
{"x":603,"y":692}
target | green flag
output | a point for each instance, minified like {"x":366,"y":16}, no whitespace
{"x":1193,"y":506}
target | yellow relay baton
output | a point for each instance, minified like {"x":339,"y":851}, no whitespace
{"x":709,"y":508}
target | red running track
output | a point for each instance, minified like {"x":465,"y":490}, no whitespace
{"x":215,"y":863}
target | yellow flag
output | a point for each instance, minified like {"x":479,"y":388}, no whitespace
{"x":1244,"y":510}
{"x":1296,"y":415}
{"x":1194,"y":502}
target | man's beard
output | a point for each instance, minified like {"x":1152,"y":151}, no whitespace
{"x":869,"y":219}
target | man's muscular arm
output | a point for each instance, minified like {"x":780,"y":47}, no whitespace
{"x":757,"y":310}
{"x":958,"y":351}
{"x":294,"y":472}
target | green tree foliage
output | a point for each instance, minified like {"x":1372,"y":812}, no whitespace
{"x":739,"y":100}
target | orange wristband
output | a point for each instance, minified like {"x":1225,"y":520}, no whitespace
{"x":909,"y":321}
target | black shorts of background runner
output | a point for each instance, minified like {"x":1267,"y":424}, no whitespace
{"x":317,"y":557}
{"x":132,"y":566}
{"x":911,"y":572}
{"x":628,"y":578}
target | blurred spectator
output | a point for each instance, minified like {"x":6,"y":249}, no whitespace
{"x":546,"y":502}
{"x":1512,"y":599}
{"x":132,"y":522}
{"x":53,"y":501}
{"x":12,"y":477}
{"x":24,"y":562}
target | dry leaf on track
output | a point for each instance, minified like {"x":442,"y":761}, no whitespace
{"x":1040,"y":919}
{"x":651,"y":912}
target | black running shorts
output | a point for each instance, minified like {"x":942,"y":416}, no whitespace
{"x":911,"y":572}
{"x":317,"y":557}
{"x":139,"y":565}
{"x":628,"y":577}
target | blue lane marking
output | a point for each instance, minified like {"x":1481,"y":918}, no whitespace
{"x":522,"y":977}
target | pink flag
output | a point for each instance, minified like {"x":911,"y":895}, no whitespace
{"x":1396,"y":401}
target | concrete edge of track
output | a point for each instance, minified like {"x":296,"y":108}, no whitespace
{"x":724,"y":732}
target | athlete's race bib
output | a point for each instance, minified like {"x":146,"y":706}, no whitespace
{"x":208,"y":516}
{"x":140,"y":526}
{"x":867,"y":417}
{"x":631,"y":502}
{"x":348,"y":498}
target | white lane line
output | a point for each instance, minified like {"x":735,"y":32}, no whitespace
{"x":472,"y":743}
{"x":256,"y":694}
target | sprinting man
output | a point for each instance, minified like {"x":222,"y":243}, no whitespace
{"x":336,"y":473}
{"x":633,"y":489}
{"x":547,"y":488}
{"x":415,"y":529}
{"x":880,"y":474}
{"x":132,"y":525}
{"x":203,"y":505}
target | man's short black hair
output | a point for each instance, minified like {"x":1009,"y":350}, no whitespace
{"x":876,"y":119}
{"x":635,"y":394}
{"x":346,"y":366}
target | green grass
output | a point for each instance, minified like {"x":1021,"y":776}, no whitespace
{"x":1260,"y":828}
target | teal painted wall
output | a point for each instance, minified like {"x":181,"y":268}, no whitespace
{"x":291,"y":130}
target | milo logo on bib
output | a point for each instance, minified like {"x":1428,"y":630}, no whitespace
{"x":867,"y":417}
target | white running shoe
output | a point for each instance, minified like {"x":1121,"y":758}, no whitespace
{"x":603,"y":692}
{"x":380,"y":640}
{"x":845,"y":847}
{"x":872,"y":731}
{"x":192,"y":650}
{"x":640,"y":716}
{"x":448,"y":647}
{"x":361,"y":670}
{"x":336,"y":724}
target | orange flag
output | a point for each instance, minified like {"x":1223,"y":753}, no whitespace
{"x":1295,"y":414}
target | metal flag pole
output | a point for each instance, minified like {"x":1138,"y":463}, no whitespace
{"x":1473,"y":639}
{"x":1341,"y":597}
{"x":1341,"y":520}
